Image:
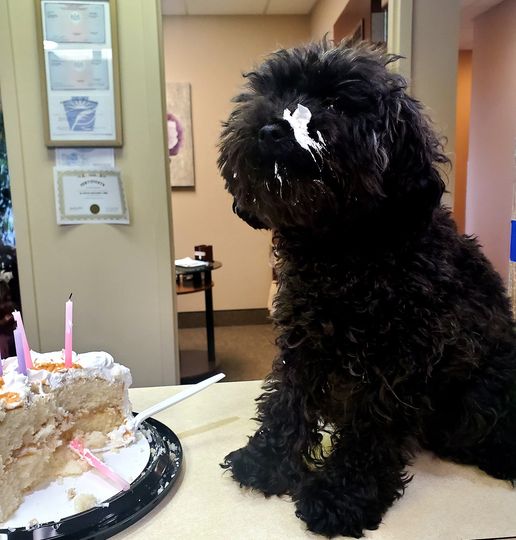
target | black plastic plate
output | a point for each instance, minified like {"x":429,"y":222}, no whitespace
{"x":126,"y":507}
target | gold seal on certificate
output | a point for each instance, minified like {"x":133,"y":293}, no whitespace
{"x":89,"y":196}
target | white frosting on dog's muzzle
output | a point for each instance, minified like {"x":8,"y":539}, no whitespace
{"x":299,"y":120}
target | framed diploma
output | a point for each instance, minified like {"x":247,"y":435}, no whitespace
{"x":89,"y":196}
{"x":79,"y":72}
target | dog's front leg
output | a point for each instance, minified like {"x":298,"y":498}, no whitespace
{"x":359,"y":481}
{"x":273,"y":459}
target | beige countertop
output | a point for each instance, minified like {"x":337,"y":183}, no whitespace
{"x":444,"y":501}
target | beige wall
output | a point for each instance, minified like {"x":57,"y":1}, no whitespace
{"x":356,"y":12}
{"x":211,"y":53}
{"x":435,"y":45}
{"x":120,"y":276}
{"x":491,"y":172}
{"x":324,"y":15}
{"x":399,"y":41}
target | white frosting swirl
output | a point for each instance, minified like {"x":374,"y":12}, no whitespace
{"x":14,"y":381}
{"x":92,"y":365}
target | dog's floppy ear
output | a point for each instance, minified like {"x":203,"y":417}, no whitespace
{"x":249,"y":218}
{"x":412,"y":176}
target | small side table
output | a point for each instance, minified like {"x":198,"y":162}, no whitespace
{"x":196,"y":365}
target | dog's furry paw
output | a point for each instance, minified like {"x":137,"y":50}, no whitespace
{"x":257,"y":471}
{"x":333,"y":513}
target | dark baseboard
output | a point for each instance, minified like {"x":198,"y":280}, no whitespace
{"x":229,"y":317}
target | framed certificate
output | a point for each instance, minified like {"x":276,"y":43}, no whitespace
{"x":79,"y":72}
{"x":89,"y":196}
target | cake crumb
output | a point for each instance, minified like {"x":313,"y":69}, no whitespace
{"x":73,"y":467}
{"x":84,"y":502}
{"x":95,"y":439}
{"x":71,"y":493}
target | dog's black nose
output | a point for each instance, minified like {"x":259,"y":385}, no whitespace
{"x":272,"y":134}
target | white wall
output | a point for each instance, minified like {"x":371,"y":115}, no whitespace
{"x":492,"y":139}
{"x":121,"y":276}
{"x":435,"y":49}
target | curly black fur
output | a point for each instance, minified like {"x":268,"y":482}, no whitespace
{"x":395,"y":332}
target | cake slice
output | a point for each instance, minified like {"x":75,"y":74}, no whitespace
{"x":42,"y":411}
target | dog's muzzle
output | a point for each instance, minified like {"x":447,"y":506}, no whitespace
{"x":274,"y":138}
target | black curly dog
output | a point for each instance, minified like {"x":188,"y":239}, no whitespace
{"x":395,"y":332}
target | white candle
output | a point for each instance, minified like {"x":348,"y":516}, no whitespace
{"x":26,"y":349}
{"x":68,"y":332}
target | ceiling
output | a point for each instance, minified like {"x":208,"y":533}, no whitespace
{"x":237,"y":7}
{"x":469,"y":9}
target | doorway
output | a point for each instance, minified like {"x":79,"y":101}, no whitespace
{"x":9,"y":282}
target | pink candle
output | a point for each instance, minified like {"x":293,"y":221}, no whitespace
{"x":26,"y":348}
{"x":18,"y":342}
{"x":68,"y":332}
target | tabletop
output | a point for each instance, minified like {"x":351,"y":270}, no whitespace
{"x":184,"y":270}
{"x":444,"y":501}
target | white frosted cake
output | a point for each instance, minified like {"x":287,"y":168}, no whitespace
{"x":42,"y":411}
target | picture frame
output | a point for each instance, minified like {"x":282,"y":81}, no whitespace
{"x":180,"y":135}
{"x":79,"y":72}
{"x":89,"y":196}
